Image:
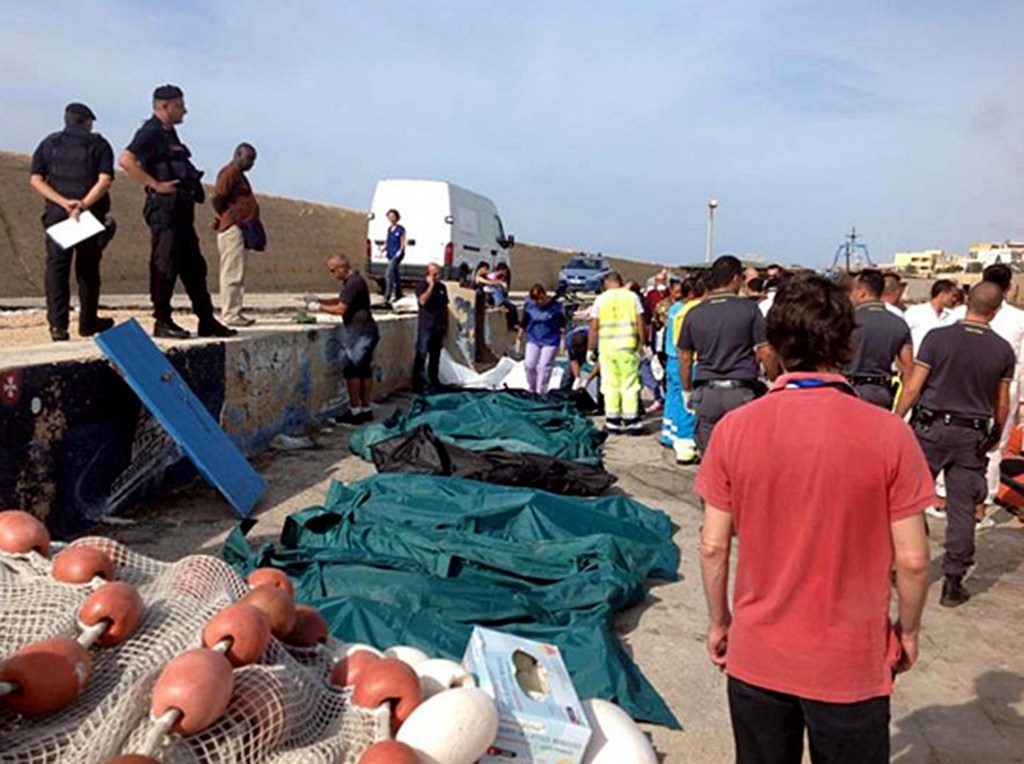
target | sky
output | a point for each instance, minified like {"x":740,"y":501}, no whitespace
{"x":601,"y":126}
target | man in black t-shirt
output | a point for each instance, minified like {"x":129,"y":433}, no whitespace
{"x":726,"y":334}
{"x":158,"y":161}
{"x":359,"y":338}
{"x":961,"y":385}
{"x":73,"y":170}
{"x":881,"y":340}
{"x":432,"y":296}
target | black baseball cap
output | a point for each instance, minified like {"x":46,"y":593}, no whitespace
{"x":79,"y":110}
{"x":167,"y":93}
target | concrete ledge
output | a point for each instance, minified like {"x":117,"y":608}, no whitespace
{"x":76,"y":444}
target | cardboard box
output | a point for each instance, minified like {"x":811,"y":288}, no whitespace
{"x":541,"y":719}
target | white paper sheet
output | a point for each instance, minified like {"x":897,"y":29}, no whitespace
{"x":70,"y":232}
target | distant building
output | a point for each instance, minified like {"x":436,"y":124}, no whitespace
{"x":988,"y":253}
{"x":923,"y":262}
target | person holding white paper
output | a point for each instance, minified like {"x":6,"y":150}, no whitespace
{"x":73,"y":170}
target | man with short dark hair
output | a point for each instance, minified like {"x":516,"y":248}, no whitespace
{"x":961,"y":387}
{"x":725,"y":333}
{"x":432,"y":296}
{"x":892,"y":294}
{"x":775,"y":275}
{"x":239,"y":231}
{"x":808,"y":645}
{"x":936,"y":312}
{"x":881,"y":340}
{"x":73,"y":170}
{"x":359,"y":338}
{"x":158,"y":161}
{"x":579,"y":374}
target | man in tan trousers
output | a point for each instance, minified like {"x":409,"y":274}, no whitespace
{"x":238,"y":232}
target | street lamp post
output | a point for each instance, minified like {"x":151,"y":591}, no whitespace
{"x":709,"y":241}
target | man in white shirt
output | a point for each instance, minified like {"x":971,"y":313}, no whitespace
{"x":932,"y":314}
{"x":892,"y":295}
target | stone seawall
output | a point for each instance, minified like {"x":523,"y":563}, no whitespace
{"x":76,"y":444}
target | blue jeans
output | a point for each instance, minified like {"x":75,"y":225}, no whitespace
{"x":392,"y":280}
{"x":427,"y":361}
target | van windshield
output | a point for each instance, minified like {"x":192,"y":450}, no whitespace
{"x":584,"y":264}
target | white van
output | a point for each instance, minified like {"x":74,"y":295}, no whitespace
{"x":444,"y":224}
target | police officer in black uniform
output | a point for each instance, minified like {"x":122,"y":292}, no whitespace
{"x":161,"y":163}
{"x":726,"y":332}
{"x":72,"y":170}
{"x":881,"y":339}
{"x":961,"y":385}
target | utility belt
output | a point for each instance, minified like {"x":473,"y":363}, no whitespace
{"x":882,"y":380}
{"x":190,"y":180}
{"x":927,"y":417}
{"x":756,"y":385}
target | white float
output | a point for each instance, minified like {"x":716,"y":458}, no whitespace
{"x":439,"y":674}
{"x":410,"y":656}
{"x":453,"y":727}
{"x":616,"y":738}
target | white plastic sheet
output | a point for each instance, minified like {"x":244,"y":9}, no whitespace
{"x":508,"y":374}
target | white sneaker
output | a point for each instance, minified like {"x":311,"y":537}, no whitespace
{"x":938,"y":514}
{"x":984,"y":524}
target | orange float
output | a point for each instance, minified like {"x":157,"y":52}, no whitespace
{"x":278,"y":606}
{"x":310,"y":628}
{"x":117,"y":603}
{"x":80,"y":564}
{"x":389,"y":752}
{"x":389,"y":681}
{"x":346,"y":672}
{"x":198,"y":685}
{"x":48,"y":675}
{"x":246,"y":626}
{"x":21,"y":532}
{"x":271,"y":577}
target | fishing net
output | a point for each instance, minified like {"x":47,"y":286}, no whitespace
{"x":282,"y":709}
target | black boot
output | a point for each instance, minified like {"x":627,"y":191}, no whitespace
{"x":170,"y":330}
{"x":953,"y":592}
{"x":100,"y":325}
{"x":211,"y":327}
{"x":59,"y":335}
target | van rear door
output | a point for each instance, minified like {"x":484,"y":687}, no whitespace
{"x":468,"y":243}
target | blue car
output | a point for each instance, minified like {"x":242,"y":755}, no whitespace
{"x":584,"y":274}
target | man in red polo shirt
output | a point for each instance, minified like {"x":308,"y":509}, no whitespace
{"x":809,"y":643}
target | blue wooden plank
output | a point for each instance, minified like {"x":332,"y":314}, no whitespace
{"x":182,"y":414}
